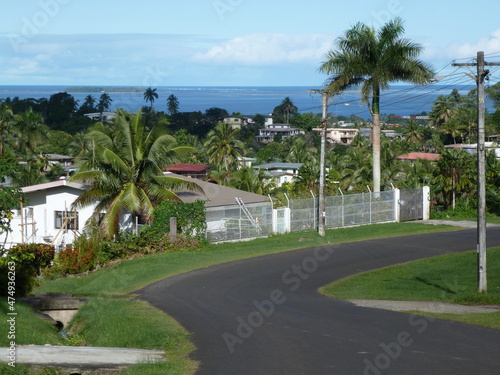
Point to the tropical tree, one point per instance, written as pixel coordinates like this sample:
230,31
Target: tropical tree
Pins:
150,95
248,179
455,177
6,121
30,131
223,147
104,103
373,60
282,112
172,105
124,170
88,106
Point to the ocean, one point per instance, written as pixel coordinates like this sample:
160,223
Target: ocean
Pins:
399,100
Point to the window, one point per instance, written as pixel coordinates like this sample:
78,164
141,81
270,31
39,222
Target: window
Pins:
66,219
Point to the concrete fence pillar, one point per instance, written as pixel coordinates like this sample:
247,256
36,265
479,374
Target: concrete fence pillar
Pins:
397,205
173,229
426,204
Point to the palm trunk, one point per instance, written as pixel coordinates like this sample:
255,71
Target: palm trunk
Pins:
376,139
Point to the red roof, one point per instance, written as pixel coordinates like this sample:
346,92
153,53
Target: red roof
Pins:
419,155
187,167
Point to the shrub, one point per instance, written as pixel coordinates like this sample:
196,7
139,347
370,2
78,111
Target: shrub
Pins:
77,258
29,261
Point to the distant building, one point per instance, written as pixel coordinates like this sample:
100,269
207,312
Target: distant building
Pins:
281,172
98,116
239,121
340,136
198,171
367,132
412,156
472,148
267,134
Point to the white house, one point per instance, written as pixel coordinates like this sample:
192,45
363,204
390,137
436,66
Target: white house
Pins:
339,135
281,172
267,134
47,216
239,121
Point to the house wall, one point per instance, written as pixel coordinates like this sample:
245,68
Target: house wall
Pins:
39,218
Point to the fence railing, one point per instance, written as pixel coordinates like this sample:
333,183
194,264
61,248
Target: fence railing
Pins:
232,223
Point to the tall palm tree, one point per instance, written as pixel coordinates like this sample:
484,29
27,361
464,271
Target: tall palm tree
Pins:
104,103
150,95
6,121
125,170
172,104
443,110
374,59
223,147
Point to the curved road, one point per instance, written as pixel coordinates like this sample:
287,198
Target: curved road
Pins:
265,316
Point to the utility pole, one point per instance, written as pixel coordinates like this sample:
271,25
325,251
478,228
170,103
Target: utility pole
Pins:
324,121
481,170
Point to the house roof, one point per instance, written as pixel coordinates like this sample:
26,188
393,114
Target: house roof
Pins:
52,185
217,195
184,167
279,165
214,195
419,155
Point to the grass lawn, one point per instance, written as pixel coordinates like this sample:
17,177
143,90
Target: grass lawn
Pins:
111,318
448,278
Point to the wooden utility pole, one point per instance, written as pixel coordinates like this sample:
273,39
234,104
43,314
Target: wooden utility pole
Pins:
481,170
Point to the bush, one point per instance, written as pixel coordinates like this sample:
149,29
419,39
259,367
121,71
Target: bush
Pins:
29,260
77,258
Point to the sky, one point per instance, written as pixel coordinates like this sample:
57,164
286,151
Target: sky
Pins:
220,42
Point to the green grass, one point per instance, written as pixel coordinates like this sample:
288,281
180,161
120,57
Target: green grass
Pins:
487,320
30,329
135,324
130,275
448,278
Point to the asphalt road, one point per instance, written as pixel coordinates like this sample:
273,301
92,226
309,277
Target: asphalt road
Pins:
265,316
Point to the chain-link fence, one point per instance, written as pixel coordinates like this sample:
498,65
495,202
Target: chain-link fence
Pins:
358,209
304,214
230,223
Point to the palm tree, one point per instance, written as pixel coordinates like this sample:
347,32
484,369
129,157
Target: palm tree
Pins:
6,121
172,104
30,131
443,110
125,171
104,103
454,176
284,110
150,95
248,179
374,59
222,146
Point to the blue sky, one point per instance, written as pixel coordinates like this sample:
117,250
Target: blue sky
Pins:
218,42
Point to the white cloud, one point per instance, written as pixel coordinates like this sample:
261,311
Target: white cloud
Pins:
488,44
268,49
